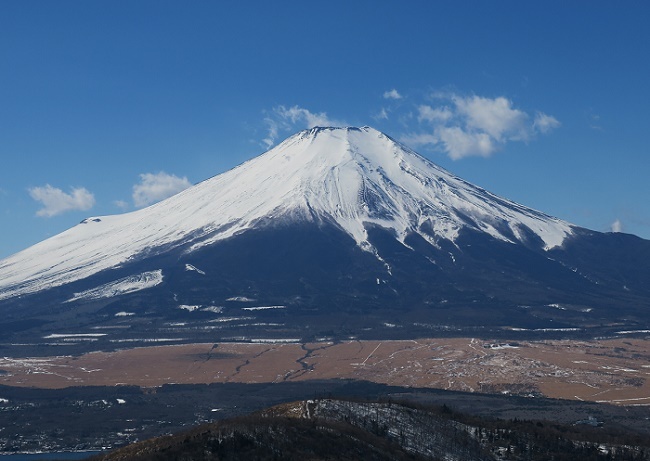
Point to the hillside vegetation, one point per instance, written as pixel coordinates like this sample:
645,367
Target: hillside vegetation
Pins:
330,429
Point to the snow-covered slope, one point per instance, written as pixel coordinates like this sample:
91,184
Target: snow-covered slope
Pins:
351,177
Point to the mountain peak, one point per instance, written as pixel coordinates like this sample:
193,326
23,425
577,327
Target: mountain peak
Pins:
360,176
355,178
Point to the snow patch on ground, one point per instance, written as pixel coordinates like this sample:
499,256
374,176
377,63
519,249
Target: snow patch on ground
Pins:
241,299
262,308
631,332
230,319
189,267
200,307
147,340
499,346
74,335
275,341
541,329
122,286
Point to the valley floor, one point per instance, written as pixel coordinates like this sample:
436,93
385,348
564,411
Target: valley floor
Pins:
612,371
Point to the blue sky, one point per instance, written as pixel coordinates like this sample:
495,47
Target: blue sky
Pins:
107,106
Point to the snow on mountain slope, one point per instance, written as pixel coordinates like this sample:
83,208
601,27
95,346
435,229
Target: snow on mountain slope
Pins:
122,286
350,177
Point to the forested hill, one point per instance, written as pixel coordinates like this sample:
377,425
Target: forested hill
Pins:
330,429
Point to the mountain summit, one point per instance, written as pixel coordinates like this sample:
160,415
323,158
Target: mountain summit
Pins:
331,220
353,178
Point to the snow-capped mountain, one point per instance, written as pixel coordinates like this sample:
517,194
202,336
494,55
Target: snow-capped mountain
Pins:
350,177
334,230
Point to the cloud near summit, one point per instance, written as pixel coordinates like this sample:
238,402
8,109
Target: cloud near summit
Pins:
464,126
56,202
458,125
154,187
289,119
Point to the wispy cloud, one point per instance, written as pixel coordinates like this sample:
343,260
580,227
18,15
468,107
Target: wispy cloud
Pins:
430,114
381,115
273,130
300,116
121,204
154,187
494,117
287,119
459,125
545,123
56,202
595,122
459,143
392,94
464,126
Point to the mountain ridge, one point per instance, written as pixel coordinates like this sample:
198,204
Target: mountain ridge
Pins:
352,233
352,177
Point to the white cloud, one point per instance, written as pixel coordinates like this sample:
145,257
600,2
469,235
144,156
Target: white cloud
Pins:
272,133
289,119
464,126
456,142
420,139
429,114
617,226
392,94
155,187
459,143
56,202
300,116
381,115
121,204
496,117
459,125
544,123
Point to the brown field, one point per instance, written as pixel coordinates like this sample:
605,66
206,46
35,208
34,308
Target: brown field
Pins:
613,371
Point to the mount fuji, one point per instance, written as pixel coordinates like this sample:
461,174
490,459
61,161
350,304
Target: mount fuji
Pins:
335,232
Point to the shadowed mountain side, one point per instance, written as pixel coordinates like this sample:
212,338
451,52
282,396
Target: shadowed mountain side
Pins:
334,233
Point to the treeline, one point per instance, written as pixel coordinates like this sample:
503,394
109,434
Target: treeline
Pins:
441,431
267,439
336,429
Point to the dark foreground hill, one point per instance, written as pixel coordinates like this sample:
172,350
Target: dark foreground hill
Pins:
330,429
